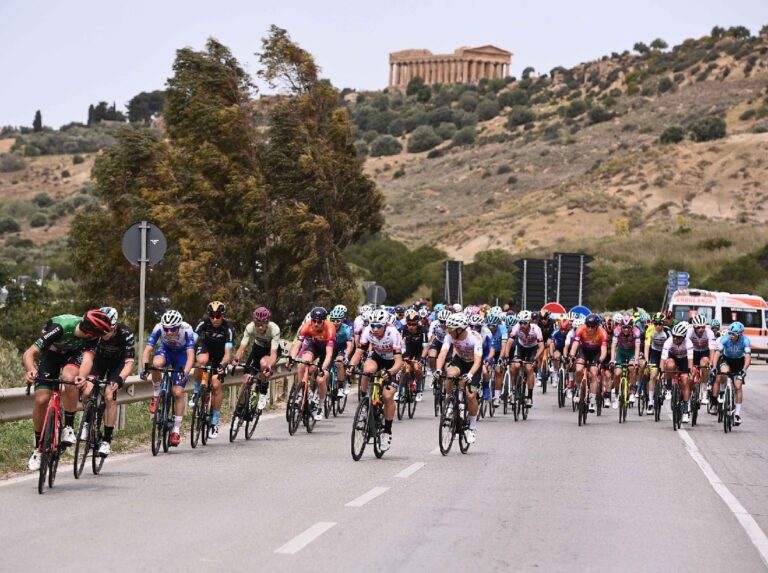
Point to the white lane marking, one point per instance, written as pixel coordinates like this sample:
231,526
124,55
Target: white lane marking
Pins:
368,496
410,470
305,538
756,535
435,452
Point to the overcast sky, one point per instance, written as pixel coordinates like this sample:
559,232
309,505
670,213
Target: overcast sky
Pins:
60,56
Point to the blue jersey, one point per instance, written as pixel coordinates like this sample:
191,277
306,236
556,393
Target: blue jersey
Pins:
343,335
182,339
558,338
731,349
487,337
499,337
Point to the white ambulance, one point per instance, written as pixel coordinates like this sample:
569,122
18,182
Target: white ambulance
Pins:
750,310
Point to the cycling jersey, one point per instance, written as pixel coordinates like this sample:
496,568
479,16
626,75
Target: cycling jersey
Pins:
119,347
703,343
656,339
499,337
358,325
626,340
343,335
414,342
733,349
467,348
58,336
527,339
591,339
326,336
182,339
438,331
560,338
387,346
677,351
547,329
216,338
269,338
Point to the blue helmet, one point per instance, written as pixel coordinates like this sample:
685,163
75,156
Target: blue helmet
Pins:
736,329
510,320
439,306
715,323
493,319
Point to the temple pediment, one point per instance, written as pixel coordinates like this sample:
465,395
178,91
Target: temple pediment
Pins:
488,50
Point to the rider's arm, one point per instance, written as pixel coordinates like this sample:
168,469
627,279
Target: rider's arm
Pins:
443,352
190,360
29,359
86,363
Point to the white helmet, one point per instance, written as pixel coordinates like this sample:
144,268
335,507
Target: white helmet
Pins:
340,308
617,317
698,320
171,318
366,315
111,313
524,316
379,316
391,318
457,307
496,310
443,315
680,329
364,308
476,319
423,313
457,320
578,322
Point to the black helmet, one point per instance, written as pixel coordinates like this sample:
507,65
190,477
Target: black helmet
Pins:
592,320
318,313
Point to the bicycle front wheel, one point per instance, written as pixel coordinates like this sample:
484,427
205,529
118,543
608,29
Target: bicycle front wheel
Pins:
728,408
294,407
46,451
97,461
157,431
359,437
411,407
83,445
447,426
378,428
195,425
203,421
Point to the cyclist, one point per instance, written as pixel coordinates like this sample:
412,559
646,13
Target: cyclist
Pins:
589,348
529,345
265,335
477,324
361,321
467,360
436,336
316,340
715,326
216,337
115,357
625,349
415,344
606,368
733,354
677,354
343,347
557,343
399,317
655,337
547,326
704,346
500,336
386,354
177,349
66,348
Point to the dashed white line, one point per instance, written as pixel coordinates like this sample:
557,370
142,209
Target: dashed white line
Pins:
368,496
305,538
410,470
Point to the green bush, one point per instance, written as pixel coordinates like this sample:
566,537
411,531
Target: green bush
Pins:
747,115
414,119
487,109
439,115
385,145
78,159
576,108
423,138
42,200
445,130
513,97
464,136
599,114
708,128
414,86
370,135
9,225
361,147
468,101
396,127
464,118
520,115
673,134
10,162
38,220
502,169
665,84
65,173
424,94
715,243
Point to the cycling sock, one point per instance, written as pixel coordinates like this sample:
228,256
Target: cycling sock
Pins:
108,434
738,410
177,424
496,394
461,395
650,396
69,418
388,426
214,418
530,392
473,422
37,438
155,389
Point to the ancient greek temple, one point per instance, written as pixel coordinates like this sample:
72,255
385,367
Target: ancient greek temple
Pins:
465,65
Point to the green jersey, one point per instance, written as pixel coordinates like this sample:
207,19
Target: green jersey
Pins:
59,336
269,338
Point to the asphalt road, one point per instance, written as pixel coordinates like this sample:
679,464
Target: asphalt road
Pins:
541,495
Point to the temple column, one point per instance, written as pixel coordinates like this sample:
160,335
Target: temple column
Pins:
389,83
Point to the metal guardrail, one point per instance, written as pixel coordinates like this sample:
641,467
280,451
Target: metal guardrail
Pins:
16,405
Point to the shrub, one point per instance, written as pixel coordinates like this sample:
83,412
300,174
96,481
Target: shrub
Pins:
414,86
708,128
361,147
446,130
396,127
435,153
576,108
747,115
78,159
370,135
715,243
385,145
11,162
520,115
42,200
665,84
673,134
38,220
423,138
464,119
424,94
513,97
439,115
414,119
468,101
487,109
65,173
464,136
502,169
9,225
511,180
599,114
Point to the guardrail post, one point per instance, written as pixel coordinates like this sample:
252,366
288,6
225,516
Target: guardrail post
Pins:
121,417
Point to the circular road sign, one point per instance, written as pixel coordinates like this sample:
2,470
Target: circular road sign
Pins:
156,244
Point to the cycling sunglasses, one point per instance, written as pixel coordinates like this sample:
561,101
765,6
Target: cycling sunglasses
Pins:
524,322
336,320
411,323
170,328
317,321
216,314
377,325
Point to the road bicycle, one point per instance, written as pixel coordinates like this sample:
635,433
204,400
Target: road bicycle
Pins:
624,390
247,409
407,390
335,397
454,419
368,423
437,394
642,390
162,419
583,394
201,410
520,391
676,402
727,408
90,432
301,406
562,383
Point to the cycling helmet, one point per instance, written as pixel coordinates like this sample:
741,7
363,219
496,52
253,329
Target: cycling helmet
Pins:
337,314
399,309
493,319
318,313
626,320
736,329
379,316
96,322
457,320
618,318
680,329
644,317
699,320
565,324
476,319
366,316
170,319
111,313
496,310
411,314
546,315
216,307
261,314
457,307
578,322
658,318
592,320
524,316
439,306
715,323
342,308
443,315
391,318
423,313
535,316
365,307
510,320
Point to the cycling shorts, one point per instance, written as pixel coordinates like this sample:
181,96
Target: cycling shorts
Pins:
177,359
108,370
51,364
381,363
623,355
734,364
654,357
525,353
465,367
317,350
589,356
257,353
681,363
698,355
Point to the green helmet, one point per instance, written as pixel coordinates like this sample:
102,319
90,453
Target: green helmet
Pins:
337,314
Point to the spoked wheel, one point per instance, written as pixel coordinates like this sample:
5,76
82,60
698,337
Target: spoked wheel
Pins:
157,431
294,407
523,402
237,417
83,446
411,407
97,432
506,387
205,401
544,379
491,407
378,428
447,426
402,405
642,401
335,397
53,465
561,388
675,404
309,418
46,452
728,409
360,429
574,394
515,404
464,425
623,399
577,393
341,403
250,424
195,427
167,421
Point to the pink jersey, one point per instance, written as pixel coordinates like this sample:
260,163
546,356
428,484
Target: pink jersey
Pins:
527,339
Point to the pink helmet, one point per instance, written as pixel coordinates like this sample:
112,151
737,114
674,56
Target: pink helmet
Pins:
627,320
261,314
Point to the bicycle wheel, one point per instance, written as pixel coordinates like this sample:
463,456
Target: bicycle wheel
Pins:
83,446
515,402
642,398
309,419
561,387
599,396
584,410
623,399
252,419
463,424
46,451
378,427
447,426
675,405
359,437
157,431
237,417
204,421
294,407
506,386
341,403
436,392
97,433
402,405
195,423
411,407
56,449
522,400
167,420
578,394
544,379
658,400
727,408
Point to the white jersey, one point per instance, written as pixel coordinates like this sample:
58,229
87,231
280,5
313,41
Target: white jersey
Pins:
682,350
703,343
358,325
569,337
437,330
387,346
466,349
527,339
